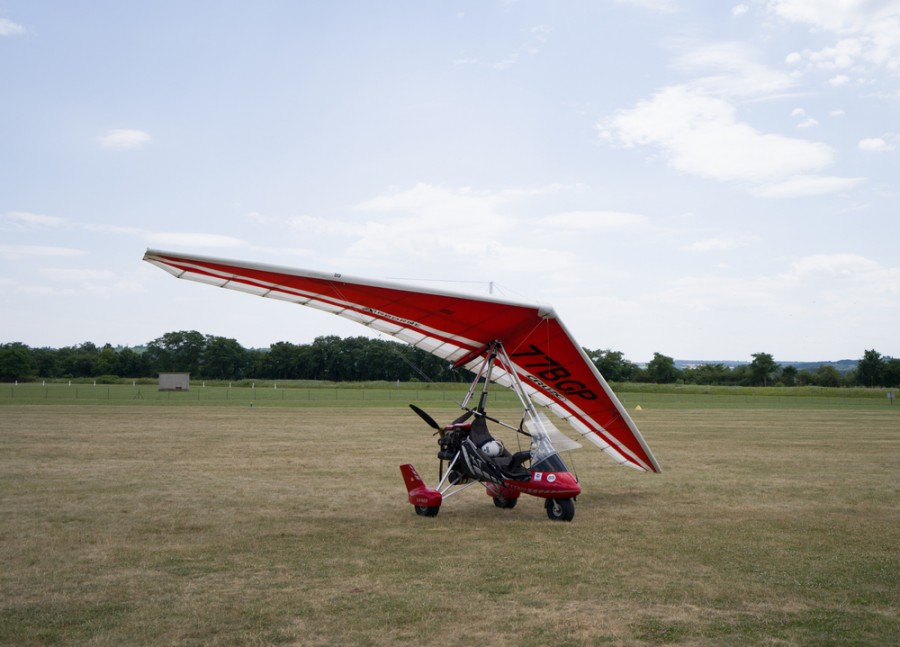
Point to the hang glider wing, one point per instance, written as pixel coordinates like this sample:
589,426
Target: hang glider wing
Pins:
547,360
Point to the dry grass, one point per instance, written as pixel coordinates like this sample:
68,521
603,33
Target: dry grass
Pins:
238,526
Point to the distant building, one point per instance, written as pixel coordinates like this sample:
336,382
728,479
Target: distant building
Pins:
174,381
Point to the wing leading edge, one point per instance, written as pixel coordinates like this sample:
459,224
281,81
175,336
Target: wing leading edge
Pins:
459,328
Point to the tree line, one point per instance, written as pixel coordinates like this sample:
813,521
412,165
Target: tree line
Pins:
872,370
363,359
220,358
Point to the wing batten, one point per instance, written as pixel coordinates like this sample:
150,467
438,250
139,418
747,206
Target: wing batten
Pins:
550,365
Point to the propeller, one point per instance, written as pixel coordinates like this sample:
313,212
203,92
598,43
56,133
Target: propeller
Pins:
440,430
463,417
424,416
434,425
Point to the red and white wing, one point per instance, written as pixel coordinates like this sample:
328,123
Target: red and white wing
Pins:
547,360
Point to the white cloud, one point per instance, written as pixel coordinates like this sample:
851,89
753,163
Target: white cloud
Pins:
729,68
709,293
438,209
191,239
656,6
806,185
428,218
499,65
701,135
124,139
830,265
720,244
840,79
875,145
541,32
427,222
818,297
43,291
593,221
259,218
841,56
845,281
315,225
9,28
739,10
23,220
71,275
505,63
537,39
20,251
868,33
806,120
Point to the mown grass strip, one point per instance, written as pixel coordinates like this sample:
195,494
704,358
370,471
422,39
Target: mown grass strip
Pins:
385,394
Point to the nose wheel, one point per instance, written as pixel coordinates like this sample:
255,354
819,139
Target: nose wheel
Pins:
560,509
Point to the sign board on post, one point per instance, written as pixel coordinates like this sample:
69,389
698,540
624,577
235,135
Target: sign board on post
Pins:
174,381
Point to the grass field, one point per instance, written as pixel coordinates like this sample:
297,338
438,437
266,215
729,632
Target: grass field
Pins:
313,393
287,523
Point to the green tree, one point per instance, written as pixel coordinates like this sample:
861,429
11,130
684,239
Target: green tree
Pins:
177,351
661,369
870,369
789,375
78,361
708,374
285,361
130,363
223,359
46,362
828,375
106,361
891,373
15,362
762,368
612,365
327,358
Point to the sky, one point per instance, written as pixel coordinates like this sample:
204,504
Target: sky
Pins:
706,180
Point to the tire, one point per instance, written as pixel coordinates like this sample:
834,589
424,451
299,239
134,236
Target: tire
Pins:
506,504
560,509
422,511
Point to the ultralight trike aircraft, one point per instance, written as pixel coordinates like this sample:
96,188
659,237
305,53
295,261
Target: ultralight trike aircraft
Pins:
520,346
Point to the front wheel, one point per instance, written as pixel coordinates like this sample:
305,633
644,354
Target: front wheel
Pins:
560,509
423,511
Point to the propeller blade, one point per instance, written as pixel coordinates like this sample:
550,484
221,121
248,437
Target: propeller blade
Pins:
424,416
463,417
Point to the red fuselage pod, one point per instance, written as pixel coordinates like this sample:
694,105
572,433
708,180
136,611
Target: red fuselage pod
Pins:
418,494
547,485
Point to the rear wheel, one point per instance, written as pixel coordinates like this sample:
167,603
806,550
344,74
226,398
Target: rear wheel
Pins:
506,504
422,511
560,509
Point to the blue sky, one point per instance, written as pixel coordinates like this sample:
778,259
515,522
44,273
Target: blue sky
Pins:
702,179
